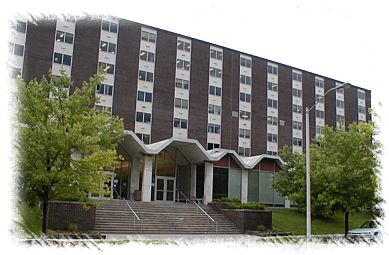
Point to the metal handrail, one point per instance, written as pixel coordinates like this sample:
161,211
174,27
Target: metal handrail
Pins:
128,204
117,193
186,198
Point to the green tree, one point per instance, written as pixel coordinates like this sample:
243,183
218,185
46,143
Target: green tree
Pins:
344,172
64,145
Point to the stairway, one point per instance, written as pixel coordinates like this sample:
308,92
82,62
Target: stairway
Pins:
115,217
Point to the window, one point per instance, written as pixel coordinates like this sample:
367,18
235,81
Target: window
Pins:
272,86
15,72
296,76
212,146
272,69
143,117
62,59
361,94
145,96
181,45
146,76
274,153
182,84
181,103
107,47
244,115
245,97
182,64
339,118
242,151
245,62
180,123
339,103
147,56
149,37
297,125
297,142
244,133
272,137
216,54
319,98
145,138
272,103
319,83
361,109
214,72
216,91
109,26
21,26
61,36
103,108
104,89
213,128
297,92
272,120
245,79
320,114
340,90
319,130
16,49
109,68
297,108
214,109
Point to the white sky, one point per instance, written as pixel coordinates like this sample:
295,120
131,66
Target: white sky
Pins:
345,40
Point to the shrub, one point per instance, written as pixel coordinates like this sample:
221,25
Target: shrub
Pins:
73,227
226,199
261,228
253,206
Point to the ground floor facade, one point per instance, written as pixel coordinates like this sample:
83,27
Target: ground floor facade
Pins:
176,169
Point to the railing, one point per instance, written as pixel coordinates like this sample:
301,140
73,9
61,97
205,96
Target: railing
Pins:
135,217
198,207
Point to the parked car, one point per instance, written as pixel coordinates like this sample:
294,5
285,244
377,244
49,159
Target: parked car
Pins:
369,230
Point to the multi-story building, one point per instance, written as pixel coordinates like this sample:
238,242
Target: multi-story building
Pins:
200,118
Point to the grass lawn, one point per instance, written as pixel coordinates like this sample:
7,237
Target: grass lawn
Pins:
294,221
30,220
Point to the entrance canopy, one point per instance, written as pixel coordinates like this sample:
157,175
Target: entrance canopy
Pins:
193,151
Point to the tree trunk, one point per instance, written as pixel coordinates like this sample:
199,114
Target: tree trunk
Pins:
346,223
45,207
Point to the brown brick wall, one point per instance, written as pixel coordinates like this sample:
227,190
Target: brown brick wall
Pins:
330,103
62,213
39,48
198,96
86,50
351,105
308,101
259,106
284,106
368,104
164,86
230,100
126,79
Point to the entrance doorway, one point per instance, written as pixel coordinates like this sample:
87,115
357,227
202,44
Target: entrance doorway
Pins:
165,188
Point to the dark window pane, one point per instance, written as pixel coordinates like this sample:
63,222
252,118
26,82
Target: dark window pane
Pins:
69,38
147,117
110,69
112,48
148,97
103,46
67,59
105,25
184,124
152,37
21,26
59,37
19,50
140,95
57,58
176,122
139,116
150,77
142,75
114,28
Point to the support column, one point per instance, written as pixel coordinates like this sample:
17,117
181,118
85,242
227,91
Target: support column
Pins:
193,174
134,178
208,182
244,186
146,181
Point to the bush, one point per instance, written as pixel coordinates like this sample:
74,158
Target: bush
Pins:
261,228
253,206
73,227
226,199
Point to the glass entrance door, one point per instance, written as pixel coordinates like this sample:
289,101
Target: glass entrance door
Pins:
165,189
